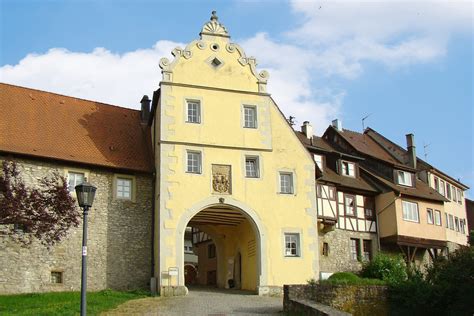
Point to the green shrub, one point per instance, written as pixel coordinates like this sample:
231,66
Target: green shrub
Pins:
447,288
349,278
389,268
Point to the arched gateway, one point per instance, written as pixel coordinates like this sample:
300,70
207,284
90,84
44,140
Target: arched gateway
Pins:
228,163
239,236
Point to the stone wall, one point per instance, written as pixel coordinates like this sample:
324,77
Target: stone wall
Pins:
119,240
354,299
339,256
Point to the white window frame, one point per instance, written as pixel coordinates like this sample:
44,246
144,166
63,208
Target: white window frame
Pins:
346,206
448,191
318,159
459,195
442,187
250,123
195,119
346,169
451,221
437,218
456,224
357,248
75,173
283,190
256,161
404,178
410,211
429,216
289,240
190,168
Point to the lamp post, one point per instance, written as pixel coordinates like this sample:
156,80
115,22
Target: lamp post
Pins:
85,193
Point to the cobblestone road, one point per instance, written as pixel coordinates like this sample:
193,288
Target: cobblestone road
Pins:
203,301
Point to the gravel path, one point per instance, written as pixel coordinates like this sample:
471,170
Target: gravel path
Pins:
203,301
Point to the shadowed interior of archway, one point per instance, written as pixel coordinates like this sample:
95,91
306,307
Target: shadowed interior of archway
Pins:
227,248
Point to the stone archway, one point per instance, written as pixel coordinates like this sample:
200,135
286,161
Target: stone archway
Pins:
207,212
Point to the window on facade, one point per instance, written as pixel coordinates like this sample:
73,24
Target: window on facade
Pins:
252,167
410,211
332,193
292,245
369,207
250,116
348,169
286,182
355,248
436,183
211,251
188,249
453,189
124,188
193,162
325,249
451,222
73,179
437,217
56,277
404,178
194,112
446,220
429,216
349,206
367,249
462,224
319,190
456,223
448,191
459,196
318,159
442,186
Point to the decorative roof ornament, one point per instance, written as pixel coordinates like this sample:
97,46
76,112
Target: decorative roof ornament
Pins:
214,27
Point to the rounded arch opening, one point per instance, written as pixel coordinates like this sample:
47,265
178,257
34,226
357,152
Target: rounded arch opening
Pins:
239,239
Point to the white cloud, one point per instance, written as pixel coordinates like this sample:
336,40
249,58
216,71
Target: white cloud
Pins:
100,75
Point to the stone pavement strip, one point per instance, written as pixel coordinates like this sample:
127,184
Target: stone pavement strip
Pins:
202,301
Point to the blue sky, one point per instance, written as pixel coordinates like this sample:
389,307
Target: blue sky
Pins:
408,64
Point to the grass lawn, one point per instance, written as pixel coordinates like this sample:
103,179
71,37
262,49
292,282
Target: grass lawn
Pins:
63,303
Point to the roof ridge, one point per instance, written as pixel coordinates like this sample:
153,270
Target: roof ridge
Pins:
68,96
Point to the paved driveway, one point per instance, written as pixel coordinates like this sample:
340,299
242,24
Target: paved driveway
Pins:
203,301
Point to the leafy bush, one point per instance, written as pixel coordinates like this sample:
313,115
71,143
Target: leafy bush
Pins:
446,289
349,278
389,268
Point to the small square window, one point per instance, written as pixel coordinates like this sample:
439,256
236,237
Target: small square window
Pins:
404,178
292,245
348,169
193,112
252,167
193,162
216,62
286,182
124,188
56,277
250,116
73,179
349,206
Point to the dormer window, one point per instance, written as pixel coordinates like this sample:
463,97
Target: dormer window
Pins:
318,159
348,168
404,178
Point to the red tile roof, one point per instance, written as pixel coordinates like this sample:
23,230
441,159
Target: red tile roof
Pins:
49,125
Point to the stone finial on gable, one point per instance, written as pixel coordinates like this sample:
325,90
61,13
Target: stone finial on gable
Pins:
214,28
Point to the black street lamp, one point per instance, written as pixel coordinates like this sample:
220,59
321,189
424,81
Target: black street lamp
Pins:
85,193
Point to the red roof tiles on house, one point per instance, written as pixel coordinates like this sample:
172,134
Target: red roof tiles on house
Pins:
49,125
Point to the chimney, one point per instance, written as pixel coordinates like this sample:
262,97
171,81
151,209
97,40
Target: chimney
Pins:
307,129
411,150
145,112
337,124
